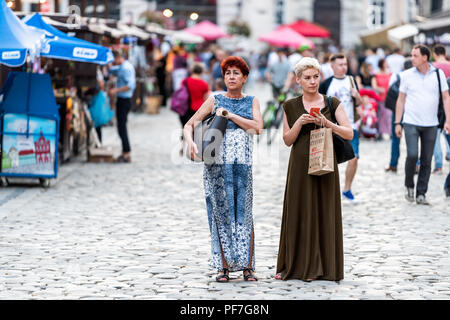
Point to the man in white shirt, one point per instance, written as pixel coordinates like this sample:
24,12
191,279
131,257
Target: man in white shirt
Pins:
343,87
418,102
395,61
372,58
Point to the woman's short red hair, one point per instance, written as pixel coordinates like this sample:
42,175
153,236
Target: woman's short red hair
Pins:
237,62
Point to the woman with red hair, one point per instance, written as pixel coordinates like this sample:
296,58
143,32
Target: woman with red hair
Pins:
228,181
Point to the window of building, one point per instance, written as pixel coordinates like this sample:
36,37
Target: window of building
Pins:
376,14
279,8
436,6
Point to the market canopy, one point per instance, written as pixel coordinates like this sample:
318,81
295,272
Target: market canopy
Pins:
308,29
29,93
207,30
402,32
61,46
16,39
286,37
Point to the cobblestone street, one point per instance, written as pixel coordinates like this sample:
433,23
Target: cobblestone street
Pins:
140,230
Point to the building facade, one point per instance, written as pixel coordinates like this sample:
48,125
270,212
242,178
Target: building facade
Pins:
344,18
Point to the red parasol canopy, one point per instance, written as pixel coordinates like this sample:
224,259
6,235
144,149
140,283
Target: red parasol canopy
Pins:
207,30
286,37
309,29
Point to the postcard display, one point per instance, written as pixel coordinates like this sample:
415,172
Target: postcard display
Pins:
29,127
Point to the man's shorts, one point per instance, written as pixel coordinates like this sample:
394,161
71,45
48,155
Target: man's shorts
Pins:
355,143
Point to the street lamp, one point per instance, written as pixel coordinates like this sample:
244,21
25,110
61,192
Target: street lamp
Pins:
194,16
10,4
168,13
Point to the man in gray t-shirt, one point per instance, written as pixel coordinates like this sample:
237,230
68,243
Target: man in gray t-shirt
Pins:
277,73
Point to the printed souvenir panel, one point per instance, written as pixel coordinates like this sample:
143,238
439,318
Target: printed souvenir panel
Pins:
32,154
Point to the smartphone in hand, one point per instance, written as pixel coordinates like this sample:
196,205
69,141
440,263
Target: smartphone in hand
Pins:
314,111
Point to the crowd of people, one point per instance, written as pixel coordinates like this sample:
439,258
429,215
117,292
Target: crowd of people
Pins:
378,94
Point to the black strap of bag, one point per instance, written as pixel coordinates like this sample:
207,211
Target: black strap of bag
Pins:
342,147
441,112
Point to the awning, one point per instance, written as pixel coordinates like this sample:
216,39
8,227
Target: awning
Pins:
17,40
156,28
286,37
99,26
402,32
378,37
434,24
206,29
181,36
61,46
186,37
132,31
308,29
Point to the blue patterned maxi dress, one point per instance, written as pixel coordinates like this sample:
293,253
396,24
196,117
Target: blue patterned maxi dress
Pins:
228,187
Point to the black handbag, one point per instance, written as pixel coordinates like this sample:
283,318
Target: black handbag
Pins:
342,147
208,136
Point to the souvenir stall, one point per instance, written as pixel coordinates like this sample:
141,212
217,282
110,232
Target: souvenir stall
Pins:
72,63
29,119
29,128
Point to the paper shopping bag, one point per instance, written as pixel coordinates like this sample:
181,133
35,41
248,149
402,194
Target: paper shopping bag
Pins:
321,153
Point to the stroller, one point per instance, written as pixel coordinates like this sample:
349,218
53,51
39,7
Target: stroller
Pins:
369,121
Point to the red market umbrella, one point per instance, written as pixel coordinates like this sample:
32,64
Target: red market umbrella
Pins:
286,37
207,30
308,29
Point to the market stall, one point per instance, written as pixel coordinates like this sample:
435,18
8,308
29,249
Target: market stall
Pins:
75,128
29,119
29,128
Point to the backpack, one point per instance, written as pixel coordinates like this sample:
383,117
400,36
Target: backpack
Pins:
180,100
392,94
441,112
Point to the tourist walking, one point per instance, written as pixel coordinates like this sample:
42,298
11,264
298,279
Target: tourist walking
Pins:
198,92
440,61
343,87
228,182
382,78
311,243
418,102
395,141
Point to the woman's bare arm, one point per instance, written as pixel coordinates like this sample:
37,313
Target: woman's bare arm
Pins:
255,125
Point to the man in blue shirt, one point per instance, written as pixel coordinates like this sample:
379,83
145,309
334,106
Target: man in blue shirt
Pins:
126,83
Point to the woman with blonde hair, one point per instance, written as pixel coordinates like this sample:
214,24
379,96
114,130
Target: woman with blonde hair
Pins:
311,245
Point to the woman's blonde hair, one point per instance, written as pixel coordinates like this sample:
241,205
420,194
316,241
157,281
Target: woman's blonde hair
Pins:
304,64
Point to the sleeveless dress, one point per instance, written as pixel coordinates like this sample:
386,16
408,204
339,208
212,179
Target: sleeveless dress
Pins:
311,244
228,185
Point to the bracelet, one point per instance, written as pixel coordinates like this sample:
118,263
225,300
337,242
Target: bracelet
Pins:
398,123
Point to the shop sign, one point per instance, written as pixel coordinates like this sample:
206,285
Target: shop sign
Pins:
85,53
10,55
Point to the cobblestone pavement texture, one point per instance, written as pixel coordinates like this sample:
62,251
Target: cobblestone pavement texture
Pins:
140,230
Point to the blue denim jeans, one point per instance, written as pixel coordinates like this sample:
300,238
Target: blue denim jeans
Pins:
437,152
447,181
395,146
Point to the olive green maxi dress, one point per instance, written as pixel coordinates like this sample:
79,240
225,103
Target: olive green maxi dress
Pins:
311,244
